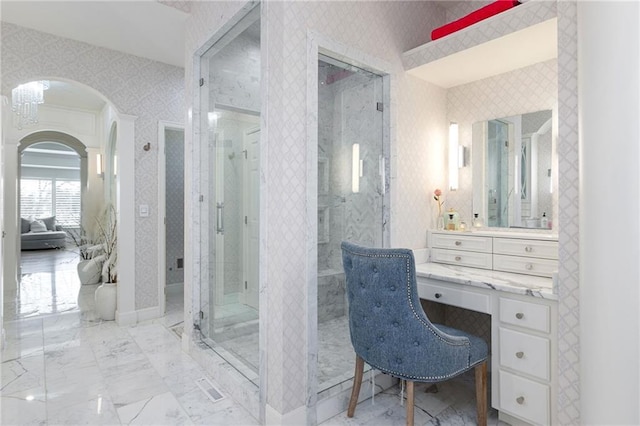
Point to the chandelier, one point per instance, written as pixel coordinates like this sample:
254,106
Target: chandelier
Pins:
25,100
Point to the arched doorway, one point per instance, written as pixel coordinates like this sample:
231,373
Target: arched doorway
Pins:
52,177
80,112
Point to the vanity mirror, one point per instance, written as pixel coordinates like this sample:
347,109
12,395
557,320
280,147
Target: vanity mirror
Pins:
513,170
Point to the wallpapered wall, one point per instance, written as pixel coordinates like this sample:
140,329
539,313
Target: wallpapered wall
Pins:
174,176
150,90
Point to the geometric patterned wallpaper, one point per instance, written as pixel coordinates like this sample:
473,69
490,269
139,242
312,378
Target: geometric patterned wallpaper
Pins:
149,90
569,208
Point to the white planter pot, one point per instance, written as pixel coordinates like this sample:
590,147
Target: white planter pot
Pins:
89,272
106,301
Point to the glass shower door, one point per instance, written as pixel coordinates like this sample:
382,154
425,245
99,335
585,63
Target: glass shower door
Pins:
351,200
230,120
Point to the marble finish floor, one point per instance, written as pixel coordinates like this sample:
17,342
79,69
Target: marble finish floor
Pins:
67,367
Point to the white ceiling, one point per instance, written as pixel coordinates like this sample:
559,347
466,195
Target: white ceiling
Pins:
147,29
143,28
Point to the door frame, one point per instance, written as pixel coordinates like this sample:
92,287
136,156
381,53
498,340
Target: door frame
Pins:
163,126
246,210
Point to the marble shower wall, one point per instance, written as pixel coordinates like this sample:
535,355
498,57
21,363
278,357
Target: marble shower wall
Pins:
347,115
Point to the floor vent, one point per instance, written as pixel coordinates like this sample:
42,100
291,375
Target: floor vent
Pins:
209,389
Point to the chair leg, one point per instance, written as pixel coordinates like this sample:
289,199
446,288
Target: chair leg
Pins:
357,382
410,399
481,393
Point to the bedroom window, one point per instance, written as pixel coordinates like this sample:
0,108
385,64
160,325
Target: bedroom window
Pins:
51,197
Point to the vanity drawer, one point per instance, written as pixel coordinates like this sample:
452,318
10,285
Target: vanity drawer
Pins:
455,297
525,353
462,258
460,241
525,265
525,314
528,248
524,398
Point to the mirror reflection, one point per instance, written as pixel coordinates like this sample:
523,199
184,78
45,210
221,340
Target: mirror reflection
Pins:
513,172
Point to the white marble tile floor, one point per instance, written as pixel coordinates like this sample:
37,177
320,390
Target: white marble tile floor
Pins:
72,368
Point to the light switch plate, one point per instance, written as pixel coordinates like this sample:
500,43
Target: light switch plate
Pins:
144,210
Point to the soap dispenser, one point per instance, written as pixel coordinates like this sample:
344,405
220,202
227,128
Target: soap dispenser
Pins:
477,222
452,219
544,222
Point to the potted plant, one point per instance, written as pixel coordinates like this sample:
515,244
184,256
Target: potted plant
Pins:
105,296
89,267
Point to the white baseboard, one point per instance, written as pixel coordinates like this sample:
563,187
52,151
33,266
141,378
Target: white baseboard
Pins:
148,313
126,318
293,418
134,317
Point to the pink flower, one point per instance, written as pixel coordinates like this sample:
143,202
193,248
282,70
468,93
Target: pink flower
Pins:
436,196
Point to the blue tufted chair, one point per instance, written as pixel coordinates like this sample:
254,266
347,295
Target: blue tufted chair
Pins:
390,331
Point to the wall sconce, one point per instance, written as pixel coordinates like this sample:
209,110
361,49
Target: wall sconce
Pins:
356,168
147,146
462,156
99,165
453,156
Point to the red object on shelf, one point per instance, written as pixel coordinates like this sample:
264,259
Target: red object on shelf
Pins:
475,16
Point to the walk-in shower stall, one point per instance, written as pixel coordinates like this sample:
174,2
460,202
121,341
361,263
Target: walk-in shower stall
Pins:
351,189
229,208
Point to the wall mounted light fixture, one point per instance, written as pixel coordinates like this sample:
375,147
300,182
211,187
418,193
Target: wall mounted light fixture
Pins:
99,165
453,156
147,146
356,168
462,156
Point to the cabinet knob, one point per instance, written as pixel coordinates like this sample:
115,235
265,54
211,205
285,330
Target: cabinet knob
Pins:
458,258
519,354
520,400
438,295
458,243
529,266
519,315
528,249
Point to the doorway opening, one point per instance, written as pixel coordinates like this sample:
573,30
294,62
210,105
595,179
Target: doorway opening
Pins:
171,224
52,179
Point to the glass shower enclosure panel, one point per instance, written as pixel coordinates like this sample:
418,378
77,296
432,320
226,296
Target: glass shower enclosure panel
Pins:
229,153
351,191
497,174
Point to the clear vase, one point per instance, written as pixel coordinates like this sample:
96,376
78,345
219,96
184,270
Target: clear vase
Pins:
440,223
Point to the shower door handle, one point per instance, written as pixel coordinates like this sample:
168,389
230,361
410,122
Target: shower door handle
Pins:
383,173
220,218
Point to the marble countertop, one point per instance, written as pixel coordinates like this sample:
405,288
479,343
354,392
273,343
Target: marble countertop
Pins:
527,285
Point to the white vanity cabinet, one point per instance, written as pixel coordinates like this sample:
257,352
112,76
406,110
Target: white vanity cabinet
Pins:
530,254
512,283
523,343
463,250
524,353
525,256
